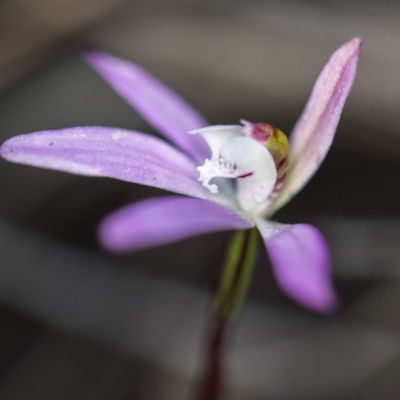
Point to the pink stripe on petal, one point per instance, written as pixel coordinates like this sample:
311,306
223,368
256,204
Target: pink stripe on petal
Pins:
314,131
159,105
159,221
301,263
108,152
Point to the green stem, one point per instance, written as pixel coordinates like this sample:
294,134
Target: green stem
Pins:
236,274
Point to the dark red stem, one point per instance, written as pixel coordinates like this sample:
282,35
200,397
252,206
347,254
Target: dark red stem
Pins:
210,387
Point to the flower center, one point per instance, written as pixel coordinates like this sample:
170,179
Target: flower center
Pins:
254,154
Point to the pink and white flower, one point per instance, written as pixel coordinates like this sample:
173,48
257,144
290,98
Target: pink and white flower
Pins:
229,174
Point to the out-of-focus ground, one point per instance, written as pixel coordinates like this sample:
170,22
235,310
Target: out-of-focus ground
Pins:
78,324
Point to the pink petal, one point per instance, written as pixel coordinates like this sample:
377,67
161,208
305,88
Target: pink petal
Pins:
159,105
314,131
159,221
301,263
108,152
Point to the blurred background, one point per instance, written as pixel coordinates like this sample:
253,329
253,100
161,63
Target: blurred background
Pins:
76,323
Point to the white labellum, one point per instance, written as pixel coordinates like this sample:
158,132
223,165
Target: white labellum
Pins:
236,156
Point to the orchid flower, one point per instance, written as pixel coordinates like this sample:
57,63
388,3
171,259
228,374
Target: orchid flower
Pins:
234,177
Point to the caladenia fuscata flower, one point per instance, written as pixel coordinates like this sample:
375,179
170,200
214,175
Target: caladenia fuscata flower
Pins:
234,177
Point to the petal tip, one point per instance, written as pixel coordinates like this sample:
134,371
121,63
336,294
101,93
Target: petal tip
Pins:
6,149
356,41
92,55
109,239
326,306
320,297
351,48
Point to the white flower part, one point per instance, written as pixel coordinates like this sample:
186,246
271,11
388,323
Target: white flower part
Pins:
216,136
236,156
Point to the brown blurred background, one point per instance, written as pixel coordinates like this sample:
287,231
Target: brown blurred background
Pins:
76,323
